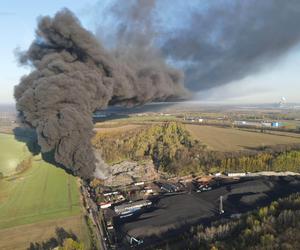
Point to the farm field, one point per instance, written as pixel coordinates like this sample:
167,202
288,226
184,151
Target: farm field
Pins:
43,192
230,139
20,237
33,203
12,152
274,132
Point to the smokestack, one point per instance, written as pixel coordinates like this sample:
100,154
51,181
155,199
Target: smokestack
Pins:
72,76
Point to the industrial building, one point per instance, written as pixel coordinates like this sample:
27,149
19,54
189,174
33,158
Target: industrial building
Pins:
235,174
132,207
276,124
168,187
259,124
193,119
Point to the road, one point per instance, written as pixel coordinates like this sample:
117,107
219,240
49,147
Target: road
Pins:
94,216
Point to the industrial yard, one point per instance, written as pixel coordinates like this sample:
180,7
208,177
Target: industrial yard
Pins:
141,205
171,207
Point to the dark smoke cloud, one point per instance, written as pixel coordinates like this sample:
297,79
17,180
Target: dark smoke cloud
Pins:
234,39
218,41
136,26
134,32
72,76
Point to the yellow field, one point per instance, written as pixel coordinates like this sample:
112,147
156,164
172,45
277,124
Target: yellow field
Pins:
230,139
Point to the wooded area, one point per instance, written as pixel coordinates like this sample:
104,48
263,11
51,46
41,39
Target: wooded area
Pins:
276,226
173,150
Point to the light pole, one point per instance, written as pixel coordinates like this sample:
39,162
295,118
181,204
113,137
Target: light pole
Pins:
221,210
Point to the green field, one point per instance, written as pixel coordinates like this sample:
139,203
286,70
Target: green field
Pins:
36,201
40,193
12,153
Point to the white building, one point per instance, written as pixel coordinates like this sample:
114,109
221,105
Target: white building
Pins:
235,174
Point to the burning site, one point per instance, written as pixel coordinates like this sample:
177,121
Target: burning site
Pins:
73,76
150,124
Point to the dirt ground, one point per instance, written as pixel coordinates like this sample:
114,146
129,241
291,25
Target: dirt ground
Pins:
20,237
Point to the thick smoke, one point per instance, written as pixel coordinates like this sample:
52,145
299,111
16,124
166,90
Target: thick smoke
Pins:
215,42
134,32
234,39
72,76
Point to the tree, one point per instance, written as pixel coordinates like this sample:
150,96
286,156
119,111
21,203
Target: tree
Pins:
70,244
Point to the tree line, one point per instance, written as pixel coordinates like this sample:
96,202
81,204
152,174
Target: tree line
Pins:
174,151
276,226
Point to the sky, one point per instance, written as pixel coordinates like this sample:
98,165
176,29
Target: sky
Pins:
281,79
18,22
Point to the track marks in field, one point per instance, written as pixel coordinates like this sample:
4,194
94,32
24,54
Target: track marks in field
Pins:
69,193
43,194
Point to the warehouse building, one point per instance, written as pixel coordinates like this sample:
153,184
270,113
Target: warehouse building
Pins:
132,207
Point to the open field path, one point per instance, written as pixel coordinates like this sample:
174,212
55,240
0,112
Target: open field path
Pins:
69,193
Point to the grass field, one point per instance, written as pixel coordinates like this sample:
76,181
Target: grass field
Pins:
42,192
230,139
33,203
12,153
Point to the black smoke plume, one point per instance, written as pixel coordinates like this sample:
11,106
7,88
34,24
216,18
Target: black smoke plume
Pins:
72,76
234,39
214,42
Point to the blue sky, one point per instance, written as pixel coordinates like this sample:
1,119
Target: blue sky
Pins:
18,22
